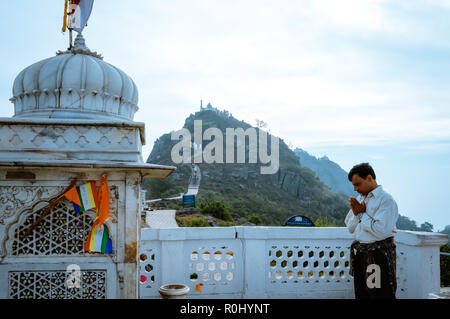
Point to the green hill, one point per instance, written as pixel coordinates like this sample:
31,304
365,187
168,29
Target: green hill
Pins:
248,194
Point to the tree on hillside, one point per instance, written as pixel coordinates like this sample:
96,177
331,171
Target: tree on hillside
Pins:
324,222
261,124
405,223
446,231
426,227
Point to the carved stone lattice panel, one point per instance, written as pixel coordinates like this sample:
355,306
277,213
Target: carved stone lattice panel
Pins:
52,285
61,232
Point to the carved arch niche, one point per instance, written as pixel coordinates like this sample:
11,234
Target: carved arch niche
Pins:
61,233
28,268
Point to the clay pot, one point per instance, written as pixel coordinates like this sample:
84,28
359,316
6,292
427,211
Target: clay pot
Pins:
174,291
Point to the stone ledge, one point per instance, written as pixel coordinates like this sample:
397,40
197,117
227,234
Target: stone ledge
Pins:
148,170
415,238
409,238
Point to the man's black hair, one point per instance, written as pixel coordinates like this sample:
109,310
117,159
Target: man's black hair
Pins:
362,170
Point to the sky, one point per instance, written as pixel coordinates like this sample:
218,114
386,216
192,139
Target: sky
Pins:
355,80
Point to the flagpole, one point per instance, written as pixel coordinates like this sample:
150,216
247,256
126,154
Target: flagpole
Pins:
83,9
70,29
70,39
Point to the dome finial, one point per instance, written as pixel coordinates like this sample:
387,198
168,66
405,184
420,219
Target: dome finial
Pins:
80,47
80,43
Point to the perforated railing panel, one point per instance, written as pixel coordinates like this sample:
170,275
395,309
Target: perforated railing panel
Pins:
216,265
291,265
149,269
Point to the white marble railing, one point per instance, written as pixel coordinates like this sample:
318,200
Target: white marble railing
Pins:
275,262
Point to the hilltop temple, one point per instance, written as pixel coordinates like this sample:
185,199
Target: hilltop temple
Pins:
209,107
73,122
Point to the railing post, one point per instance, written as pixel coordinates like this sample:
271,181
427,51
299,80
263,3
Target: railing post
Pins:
254,250
419,258
172,256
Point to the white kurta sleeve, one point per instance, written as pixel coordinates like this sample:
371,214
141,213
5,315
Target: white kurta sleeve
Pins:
351,221
384,220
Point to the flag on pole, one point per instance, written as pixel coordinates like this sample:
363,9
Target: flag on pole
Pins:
86,197
83,197
103,200
98,240
80,12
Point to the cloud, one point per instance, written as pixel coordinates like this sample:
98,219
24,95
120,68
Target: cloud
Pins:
377,157
430,147
319,72
365,14
354,79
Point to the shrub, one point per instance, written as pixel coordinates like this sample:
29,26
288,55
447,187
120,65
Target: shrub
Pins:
192,221
254,219
222,223
209,205
324,222
199,222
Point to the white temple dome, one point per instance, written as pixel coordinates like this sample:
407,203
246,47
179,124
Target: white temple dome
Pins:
75,84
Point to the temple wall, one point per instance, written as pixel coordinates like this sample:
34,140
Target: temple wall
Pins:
41,259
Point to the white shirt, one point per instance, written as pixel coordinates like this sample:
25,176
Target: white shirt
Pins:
379,219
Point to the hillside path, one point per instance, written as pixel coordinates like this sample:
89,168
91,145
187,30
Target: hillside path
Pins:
166,218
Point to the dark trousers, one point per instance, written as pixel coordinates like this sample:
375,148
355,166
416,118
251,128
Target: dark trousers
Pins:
362,290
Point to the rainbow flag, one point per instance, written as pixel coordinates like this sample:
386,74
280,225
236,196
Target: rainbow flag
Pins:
83,197
98,240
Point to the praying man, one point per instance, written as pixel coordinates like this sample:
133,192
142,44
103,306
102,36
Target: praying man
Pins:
372,219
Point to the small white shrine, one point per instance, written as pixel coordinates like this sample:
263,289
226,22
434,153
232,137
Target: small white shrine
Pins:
73,121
